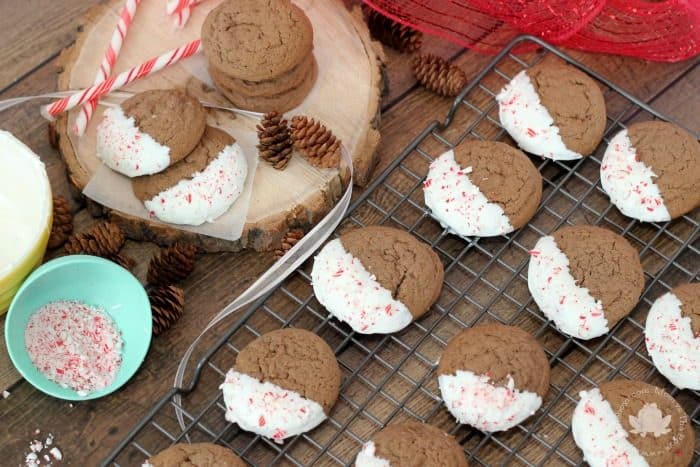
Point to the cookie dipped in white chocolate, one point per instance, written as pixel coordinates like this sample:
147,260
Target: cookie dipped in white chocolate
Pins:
529,122
572,308
669,337
267,409
630,182
123,147
200,187
473,400
207,195
599,434
377,279
458,204
352,294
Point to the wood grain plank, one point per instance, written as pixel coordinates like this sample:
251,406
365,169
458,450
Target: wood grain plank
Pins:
31,38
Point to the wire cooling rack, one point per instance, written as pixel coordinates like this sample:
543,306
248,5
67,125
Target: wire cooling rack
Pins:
391,378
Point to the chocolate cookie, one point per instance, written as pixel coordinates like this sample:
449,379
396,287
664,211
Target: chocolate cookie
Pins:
483,189
195,455
632,423
270,87
673,335
256,39
281,102
150,131
651,171
493,376
377,279
411,444
553,110
284,383
199,188
585,279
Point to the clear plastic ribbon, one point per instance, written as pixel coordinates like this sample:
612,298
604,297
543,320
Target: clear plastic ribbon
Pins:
118,95
279,271
7,103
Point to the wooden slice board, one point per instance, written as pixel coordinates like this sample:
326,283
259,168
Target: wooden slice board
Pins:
346,98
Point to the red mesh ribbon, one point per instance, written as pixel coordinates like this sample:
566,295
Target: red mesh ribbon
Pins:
655,30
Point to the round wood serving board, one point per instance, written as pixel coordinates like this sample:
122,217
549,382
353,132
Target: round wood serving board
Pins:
345,97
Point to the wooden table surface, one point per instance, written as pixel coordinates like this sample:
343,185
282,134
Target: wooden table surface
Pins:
34,32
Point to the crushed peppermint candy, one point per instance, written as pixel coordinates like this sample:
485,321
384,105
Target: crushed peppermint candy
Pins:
40,454
56,453
77,346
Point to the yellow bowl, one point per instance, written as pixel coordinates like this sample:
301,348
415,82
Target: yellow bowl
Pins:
21,180
10,283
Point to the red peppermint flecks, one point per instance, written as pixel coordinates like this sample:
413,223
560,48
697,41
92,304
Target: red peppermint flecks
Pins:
75,345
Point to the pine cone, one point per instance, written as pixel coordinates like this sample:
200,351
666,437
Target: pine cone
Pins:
125,261
167,304
172,264
62,222
315,142
390,33
438,75
289,240
275,142
104,239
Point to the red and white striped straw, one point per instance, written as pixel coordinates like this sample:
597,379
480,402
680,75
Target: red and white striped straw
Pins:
108,61
122,79
181,9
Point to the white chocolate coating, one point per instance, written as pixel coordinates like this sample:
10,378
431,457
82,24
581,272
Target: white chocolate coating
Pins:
529,122
572,308
207,195
671,344
367,457
267,409
599,434
458,204
25,201
126,149
630,182
472,400
352,294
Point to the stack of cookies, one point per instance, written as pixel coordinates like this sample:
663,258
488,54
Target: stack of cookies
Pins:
260,53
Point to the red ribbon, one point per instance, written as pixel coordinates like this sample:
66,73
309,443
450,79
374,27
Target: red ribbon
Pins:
665,31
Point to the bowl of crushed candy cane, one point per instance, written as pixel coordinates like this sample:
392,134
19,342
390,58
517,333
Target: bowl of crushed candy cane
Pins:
79,327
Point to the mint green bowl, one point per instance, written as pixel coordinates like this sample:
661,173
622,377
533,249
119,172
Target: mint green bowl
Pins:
94,281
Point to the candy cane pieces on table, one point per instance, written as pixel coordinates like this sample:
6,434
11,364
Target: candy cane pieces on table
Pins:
181,9
126,16
122,79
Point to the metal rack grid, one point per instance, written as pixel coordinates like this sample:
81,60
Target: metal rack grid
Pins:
390,378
